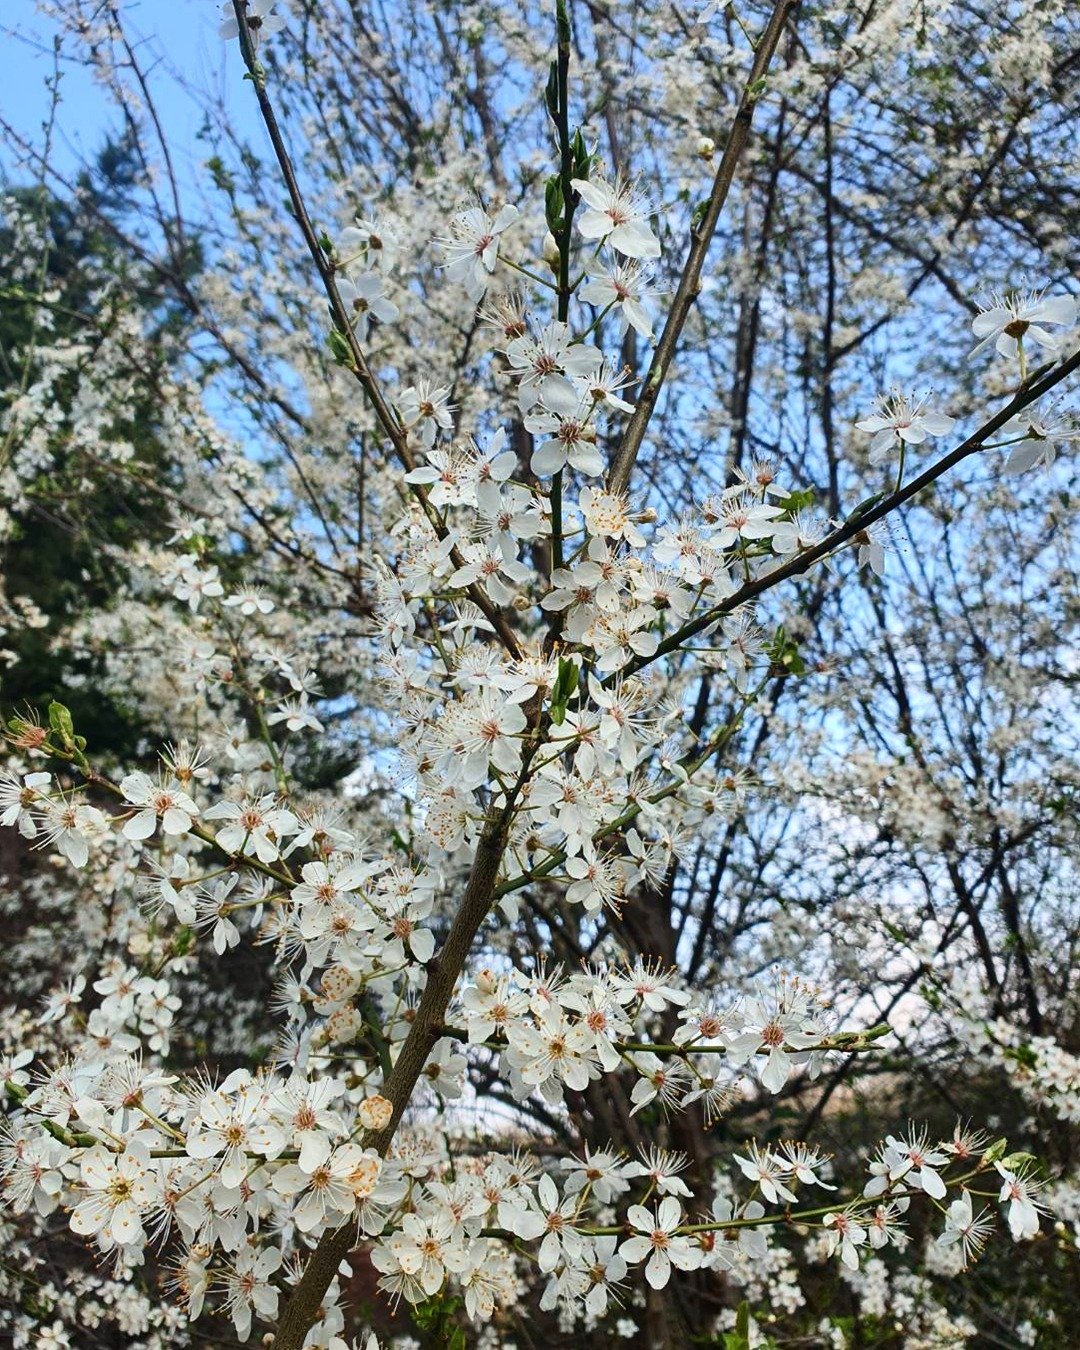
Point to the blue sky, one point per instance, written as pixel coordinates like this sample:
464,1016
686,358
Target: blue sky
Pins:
179,45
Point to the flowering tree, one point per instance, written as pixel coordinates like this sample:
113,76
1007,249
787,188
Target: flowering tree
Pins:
511,863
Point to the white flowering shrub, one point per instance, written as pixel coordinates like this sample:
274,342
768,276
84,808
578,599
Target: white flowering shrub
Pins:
554,838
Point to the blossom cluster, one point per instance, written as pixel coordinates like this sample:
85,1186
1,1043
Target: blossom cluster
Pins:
539,631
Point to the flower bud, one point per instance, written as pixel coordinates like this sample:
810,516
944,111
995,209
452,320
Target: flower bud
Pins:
374,1113
338,984
344,1025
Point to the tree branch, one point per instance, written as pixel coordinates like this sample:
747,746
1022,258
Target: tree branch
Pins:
701,234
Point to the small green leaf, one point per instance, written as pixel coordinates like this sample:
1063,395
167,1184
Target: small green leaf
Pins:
798,501
739,1339
551,93
784,654
565,688
1012,1161
867,505
995,1151
60,722
582,158
1022,1055
339,347
554,204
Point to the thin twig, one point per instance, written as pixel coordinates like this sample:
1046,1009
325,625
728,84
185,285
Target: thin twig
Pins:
701,233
